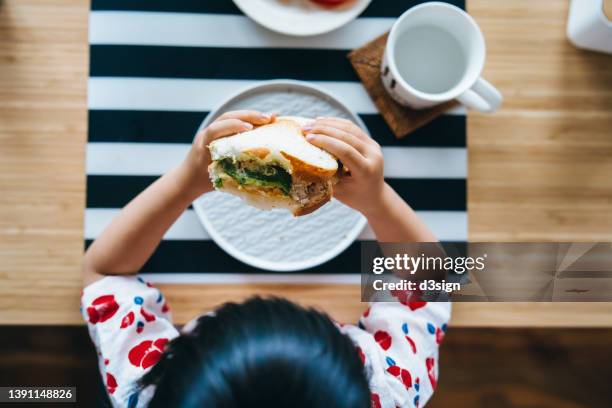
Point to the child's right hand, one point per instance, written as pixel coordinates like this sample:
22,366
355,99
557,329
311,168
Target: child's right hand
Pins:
362,189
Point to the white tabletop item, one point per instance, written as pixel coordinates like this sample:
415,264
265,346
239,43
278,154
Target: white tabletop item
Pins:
436,53
588,26
300,17
275,240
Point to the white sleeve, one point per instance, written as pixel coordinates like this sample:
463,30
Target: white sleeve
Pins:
399,343
129,323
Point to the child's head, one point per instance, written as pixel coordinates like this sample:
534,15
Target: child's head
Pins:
261,353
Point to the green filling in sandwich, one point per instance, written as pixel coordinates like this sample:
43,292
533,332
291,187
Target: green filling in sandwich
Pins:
256,175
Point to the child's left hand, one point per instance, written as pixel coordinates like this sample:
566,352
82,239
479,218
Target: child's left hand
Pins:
230,123
364,189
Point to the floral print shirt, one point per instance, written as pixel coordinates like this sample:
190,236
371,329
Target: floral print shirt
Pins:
129,323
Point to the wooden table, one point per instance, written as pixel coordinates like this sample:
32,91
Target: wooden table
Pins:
540,169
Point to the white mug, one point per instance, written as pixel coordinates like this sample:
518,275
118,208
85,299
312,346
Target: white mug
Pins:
436,53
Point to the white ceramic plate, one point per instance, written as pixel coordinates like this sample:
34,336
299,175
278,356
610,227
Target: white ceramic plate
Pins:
275,240
301,17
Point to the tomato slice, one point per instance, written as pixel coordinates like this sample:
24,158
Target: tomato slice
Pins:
329,3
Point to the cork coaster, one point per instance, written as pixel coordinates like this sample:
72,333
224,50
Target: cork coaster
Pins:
402,120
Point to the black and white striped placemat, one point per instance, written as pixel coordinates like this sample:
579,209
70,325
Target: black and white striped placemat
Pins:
157,67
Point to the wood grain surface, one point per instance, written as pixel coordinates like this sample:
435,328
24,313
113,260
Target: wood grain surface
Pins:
483,368
539,168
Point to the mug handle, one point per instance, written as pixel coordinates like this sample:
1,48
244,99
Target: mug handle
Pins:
482,97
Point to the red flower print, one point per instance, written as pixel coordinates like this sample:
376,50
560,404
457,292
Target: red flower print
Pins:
111,383
102,309
412,344
165,308
127,320
383,339
439,335
375,398
406,378
106,361
415,305
394,370
147,353
430,363
149,317
367,312
406,331
405,297
402,374
361,355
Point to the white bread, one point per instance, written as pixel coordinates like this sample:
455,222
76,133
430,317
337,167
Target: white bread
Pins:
282,143
273,143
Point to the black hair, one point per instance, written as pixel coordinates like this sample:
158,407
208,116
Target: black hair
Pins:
260,353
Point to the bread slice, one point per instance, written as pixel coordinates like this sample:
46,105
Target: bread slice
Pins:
274,166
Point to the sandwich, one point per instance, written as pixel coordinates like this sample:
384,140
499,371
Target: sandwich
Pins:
274,166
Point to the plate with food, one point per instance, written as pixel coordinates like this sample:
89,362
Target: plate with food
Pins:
302,17
274,207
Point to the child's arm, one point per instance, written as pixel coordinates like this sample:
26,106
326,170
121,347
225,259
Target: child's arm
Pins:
125,246
128,319
398,341
365,189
